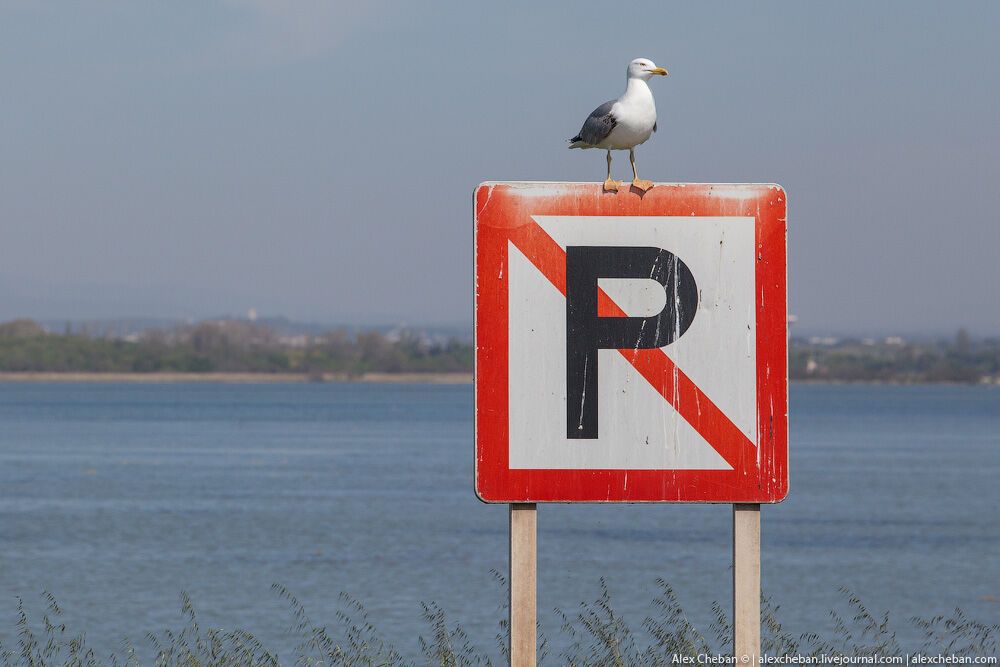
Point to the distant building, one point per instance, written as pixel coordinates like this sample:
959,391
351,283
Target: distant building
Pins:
824,340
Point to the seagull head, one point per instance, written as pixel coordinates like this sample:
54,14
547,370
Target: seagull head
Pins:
645,69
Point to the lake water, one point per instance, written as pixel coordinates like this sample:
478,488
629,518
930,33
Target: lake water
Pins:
116,498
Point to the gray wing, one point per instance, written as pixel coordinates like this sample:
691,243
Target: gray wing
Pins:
598,125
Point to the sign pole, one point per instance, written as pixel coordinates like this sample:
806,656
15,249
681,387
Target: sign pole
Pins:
746,583
523,533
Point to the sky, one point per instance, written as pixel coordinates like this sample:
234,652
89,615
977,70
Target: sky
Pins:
317,160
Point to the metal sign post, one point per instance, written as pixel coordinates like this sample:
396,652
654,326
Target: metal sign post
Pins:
746,583
631,347
523,605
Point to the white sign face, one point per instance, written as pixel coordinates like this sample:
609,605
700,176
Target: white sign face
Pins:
638,429
631,347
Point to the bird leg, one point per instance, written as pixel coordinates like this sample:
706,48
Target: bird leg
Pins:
609,185
636,181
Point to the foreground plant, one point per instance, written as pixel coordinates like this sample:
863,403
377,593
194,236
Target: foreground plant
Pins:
595,636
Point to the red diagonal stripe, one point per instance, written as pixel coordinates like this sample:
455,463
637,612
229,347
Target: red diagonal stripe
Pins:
653,364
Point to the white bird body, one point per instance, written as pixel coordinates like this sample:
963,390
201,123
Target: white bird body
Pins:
624,123
635,112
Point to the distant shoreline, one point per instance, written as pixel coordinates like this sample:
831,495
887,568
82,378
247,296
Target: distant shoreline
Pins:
239,378
372,378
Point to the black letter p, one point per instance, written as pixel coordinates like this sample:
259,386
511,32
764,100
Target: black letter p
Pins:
586,333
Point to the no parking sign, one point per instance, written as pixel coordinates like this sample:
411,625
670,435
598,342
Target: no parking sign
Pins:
631,348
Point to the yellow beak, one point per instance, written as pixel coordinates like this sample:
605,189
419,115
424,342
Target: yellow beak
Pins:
659,70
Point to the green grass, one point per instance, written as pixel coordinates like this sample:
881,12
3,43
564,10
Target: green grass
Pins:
594,635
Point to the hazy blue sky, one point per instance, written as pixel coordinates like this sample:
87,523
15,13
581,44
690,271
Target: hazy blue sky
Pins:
317,159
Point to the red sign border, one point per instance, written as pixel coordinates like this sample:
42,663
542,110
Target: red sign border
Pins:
503,213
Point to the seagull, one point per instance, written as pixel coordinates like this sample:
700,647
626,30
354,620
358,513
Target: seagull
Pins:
624,123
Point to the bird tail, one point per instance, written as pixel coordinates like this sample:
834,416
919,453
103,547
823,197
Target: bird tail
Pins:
578,142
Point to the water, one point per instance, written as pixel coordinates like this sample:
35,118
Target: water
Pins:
116,498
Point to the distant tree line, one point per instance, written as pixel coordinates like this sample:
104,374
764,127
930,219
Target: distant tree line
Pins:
960,360
228,346
247,347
